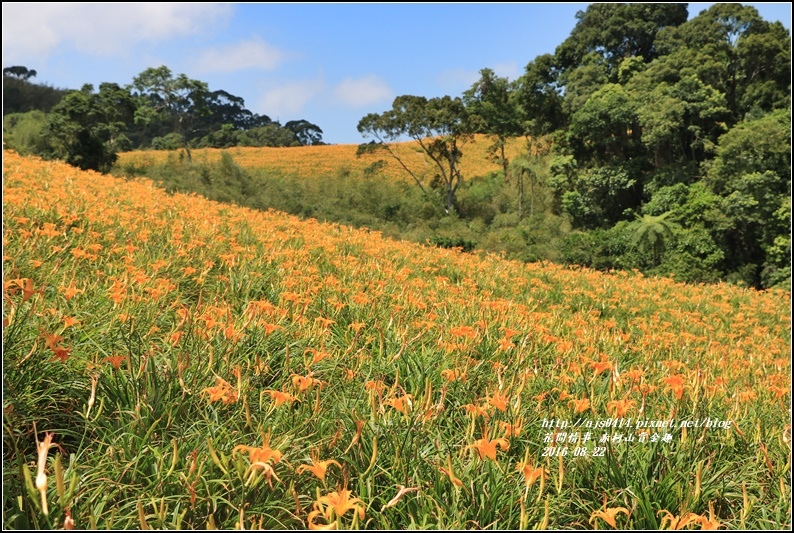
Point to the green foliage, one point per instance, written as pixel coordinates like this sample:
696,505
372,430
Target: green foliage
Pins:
538,97
86,128
25,132
441,126
486,221
179,100
653,233
594,196
307,133
749,59
753,146
493,100
602,130
21,95
617,31
450,242
269,135
693,257
664,115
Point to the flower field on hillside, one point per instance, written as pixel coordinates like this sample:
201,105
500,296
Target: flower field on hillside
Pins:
171,362
328,160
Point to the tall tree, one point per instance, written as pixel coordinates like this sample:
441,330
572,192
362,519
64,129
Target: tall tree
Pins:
86,129
441,126
179,100
616,31
308,134
739,54
493,100
19,72
539,97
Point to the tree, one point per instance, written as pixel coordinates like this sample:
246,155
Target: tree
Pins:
308,134
616,31
539,98
25,133
269,135
179,100
86,129
652,232
441,126
19,72
492,99
522,168
737,53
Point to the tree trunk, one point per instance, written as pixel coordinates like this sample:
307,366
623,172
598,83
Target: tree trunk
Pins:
520,195
504,159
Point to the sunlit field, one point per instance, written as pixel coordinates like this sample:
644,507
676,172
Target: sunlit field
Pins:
172,362
329,160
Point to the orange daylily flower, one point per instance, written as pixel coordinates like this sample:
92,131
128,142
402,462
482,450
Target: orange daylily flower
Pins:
70,292
512,430
505,344
115,360
530,473
222,391
260,459
580,406
61,353
600,366
499,400
621,407
322,527
325,322
303,383
608,515
281,397
475,410
452,375
711,523
677,522
562,394
52,340
318,468
463,331
675,384
487,448
338,503
402,403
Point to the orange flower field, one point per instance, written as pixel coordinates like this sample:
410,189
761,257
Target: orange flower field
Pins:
172,362
328,160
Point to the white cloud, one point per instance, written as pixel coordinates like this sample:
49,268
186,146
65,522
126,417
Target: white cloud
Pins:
252,54
33,31
453,79
508,70
289,99
363,91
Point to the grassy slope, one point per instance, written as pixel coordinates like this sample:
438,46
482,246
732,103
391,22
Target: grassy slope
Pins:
331,159
201,329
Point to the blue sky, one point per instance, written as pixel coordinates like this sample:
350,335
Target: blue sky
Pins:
328,63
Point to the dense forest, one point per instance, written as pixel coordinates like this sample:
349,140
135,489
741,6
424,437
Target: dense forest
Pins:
653,142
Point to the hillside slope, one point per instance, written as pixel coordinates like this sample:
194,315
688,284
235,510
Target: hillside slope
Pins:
305,161
197,364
